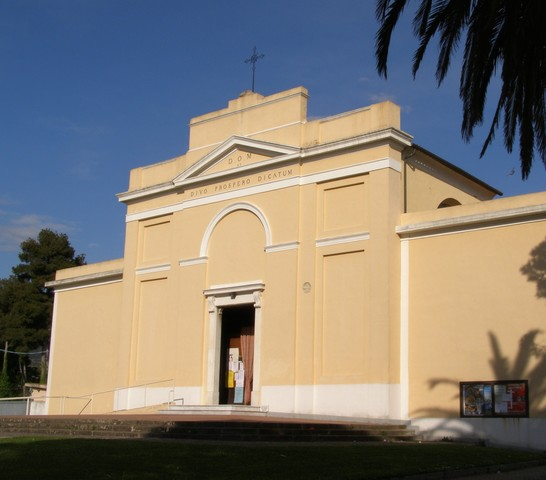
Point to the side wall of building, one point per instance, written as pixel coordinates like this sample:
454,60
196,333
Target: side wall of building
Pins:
476,308
84,349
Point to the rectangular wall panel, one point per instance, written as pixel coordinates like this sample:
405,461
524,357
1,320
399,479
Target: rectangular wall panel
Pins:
156,242
344,321
156,348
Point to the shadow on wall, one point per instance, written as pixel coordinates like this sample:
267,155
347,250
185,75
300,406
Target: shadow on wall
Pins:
530,351
535,268
528,363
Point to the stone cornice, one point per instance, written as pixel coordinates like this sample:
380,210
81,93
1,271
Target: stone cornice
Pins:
86,280
285,154
465,222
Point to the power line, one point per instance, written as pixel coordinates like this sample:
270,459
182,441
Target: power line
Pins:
24,353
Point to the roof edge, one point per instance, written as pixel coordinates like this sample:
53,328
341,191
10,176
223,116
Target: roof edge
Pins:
458,170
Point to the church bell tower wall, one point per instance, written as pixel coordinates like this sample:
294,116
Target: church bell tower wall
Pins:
276,118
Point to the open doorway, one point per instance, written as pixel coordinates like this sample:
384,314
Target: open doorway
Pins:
236,355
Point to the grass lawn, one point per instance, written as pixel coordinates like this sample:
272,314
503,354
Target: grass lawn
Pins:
53,458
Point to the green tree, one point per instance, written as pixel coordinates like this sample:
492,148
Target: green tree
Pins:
5,385
26,304
507,36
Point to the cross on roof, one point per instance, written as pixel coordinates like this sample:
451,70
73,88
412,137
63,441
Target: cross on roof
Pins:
253,59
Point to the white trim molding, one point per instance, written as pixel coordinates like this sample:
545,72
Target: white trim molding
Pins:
229,289
333,174
470,222
282,247
281,154
193,261
404,327
342,239
83,281
224,149
153,269
226,211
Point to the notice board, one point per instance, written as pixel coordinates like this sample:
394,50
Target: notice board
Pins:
503,398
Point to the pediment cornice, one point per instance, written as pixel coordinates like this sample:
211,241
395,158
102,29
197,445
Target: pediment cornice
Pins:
236,156
233,144
215,166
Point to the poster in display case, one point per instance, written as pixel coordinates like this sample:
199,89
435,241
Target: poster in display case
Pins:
508,398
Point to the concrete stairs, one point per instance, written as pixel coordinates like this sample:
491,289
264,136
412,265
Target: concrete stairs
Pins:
203,428
213,410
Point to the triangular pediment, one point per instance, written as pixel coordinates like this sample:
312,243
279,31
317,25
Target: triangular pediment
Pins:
236,153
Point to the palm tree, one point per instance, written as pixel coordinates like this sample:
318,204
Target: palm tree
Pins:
507,36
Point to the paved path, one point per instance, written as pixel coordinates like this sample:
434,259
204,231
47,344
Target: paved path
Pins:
529,473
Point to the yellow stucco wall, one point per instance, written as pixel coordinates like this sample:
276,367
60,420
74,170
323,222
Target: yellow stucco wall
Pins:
474,314
236,249
85,340
304,221
429,183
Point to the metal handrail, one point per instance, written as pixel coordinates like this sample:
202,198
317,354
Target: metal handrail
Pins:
117,389
30,399
89,397
143,384
27,399
146,385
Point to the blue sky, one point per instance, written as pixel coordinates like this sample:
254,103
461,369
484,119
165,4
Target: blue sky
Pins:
92,88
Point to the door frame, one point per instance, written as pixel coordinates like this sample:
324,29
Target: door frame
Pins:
219,297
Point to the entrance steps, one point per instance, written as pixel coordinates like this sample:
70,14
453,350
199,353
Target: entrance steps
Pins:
245,410
205,428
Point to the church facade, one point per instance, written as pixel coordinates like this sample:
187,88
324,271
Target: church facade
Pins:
328,267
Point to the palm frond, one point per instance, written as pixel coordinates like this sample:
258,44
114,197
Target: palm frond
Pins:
428,31
503,37
483,49
454,18
387,12
420,20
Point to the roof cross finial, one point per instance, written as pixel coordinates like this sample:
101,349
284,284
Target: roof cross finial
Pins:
253,59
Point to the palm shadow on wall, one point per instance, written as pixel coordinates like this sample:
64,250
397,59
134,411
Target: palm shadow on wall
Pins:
530,360
535,268
530,351
519,369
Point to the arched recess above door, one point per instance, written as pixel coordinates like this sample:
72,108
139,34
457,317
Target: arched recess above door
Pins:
226,211
235,245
